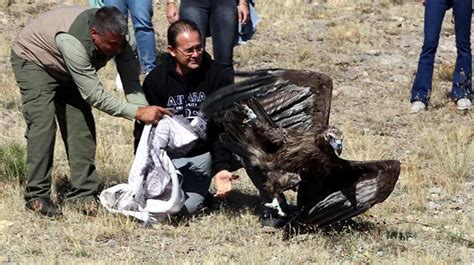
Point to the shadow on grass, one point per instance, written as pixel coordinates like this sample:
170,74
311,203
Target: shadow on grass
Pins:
341,228
236,203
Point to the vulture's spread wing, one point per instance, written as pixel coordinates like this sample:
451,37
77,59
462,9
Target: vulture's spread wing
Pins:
253,113
291,98
349,189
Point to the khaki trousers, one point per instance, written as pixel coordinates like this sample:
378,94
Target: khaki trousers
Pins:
45,102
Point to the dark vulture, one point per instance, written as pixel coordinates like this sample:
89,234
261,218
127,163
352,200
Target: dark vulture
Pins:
279,121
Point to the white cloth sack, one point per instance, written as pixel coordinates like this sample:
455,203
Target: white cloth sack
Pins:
153,188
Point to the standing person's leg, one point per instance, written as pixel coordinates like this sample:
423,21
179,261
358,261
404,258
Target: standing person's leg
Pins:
78,132
223,26
196,179
142,13
434,14
198,12
120,4
38,90
462,76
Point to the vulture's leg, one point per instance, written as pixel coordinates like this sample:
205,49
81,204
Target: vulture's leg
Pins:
277,183
275,204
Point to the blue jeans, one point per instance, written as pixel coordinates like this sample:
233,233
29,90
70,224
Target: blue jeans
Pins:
141,12
217,18
434,14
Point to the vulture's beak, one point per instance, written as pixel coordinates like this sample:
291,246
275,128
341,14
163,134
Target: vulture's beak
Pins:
336,145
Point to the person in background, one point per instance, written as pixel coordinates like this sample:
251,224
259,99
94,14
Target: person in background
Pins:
141,13
461,92
55,59
217,18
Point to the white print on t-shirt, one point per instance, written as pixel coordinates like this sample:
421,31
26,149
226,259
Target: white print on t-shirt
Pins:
186,105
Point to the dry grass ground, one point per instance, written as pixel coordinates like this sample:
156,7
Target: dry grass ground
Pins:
370,48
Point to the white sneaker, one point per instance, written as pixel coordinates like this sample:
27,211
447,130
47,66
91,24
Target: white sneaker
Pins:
463,104
118,83
417,106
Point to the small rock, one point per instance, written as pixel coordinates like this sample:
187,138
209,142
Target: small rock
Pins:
318,26
397,19
112,242
361,57
435,190
398,79
433,205
374,52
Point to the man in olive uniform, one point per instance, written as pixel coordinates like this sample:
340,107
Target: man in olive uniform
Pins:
55,59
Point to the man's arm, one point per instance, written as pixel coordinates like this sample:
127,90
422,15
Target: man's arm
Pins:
88,84
87,81
221,156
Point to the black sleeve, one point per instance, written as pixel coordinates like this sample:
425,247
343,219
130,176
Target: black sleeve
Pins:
154,86
137,134
221,156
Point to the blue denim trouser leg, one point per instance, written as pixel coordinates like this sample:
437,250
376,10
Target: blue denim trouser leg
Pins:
462,76
141,13
196,179
434,14
219,19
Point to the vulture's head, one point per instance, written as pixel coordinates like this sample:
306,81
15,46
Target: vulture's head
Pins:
333,138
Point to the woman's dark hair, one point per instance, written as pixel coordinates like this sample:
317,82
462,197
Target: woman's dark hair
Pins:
110,19
180,26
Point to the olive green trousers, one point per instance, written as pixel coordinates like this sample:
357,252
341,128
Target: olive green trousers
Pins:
46,102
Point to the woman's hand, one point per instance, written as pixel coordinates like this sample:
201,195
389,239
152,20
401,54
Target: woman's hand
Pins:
243,12
171,11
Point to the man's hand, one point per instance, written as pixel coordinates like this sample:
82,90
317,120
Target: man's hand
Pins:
171,12
151,114
223,181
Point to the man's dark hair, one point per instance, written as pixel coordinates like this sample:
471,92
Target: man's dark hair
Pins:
110,19
180,26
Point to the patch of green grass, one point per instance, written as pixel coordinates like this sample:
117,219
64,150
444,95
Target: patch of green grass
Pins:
13,164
